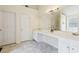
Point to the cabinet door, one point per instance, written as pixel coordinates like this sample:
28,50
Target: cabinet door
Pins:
74,47
64,46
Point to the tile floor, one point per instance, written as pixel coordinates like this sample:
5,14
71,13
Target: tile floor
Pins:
29,47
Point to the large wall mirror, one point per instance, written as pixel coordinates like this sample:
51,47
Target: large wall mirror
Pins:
69,23
73,23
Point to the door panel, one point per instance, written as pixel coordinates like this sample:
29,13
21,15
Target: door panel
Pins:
1,28
9,27
25,27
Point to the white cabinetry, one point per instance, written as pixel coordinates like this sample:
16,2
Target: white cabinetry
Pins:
74,47
47,39
37,36
51,40
68,46
64,46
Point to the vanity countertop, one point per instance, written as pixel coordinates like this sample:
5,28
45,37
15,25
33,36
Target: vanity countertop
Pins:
60,34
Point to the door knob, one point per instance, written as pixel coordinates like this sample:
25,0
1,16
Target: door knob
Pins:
0,29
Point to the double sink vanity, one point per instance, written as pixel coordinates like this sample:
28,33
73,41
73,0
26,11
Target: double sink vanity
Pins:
65,42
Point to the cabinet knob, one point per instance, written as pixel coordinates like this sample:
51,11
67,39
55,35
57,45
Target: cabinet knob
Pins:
67,47
72,48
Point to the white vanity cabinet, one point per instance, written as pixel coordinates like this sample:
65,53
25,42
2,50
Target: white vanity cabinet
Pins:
43,37
68,46
74,47
63,46
40,37
53,41
64,43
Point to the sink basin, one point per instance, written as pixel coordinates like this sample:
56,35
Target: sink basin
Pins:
75,34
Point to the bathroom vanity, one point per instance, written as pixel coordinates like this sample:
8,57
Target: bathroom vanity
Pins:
66,42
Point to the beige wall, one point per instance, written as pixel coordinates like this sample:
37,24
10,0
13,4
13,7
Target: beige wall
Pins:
44,21
54,16
20,9
47,8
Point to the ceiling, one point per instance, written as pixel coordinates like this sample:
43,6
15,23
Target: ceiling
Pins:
43,7
34,6
47,8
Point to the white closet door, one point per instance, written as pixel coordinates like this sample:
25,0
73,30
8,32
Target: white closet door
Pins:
25,27
9,27
1,28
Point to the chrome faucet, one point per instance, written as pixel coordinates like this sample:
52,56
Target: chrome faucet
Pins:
52,28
